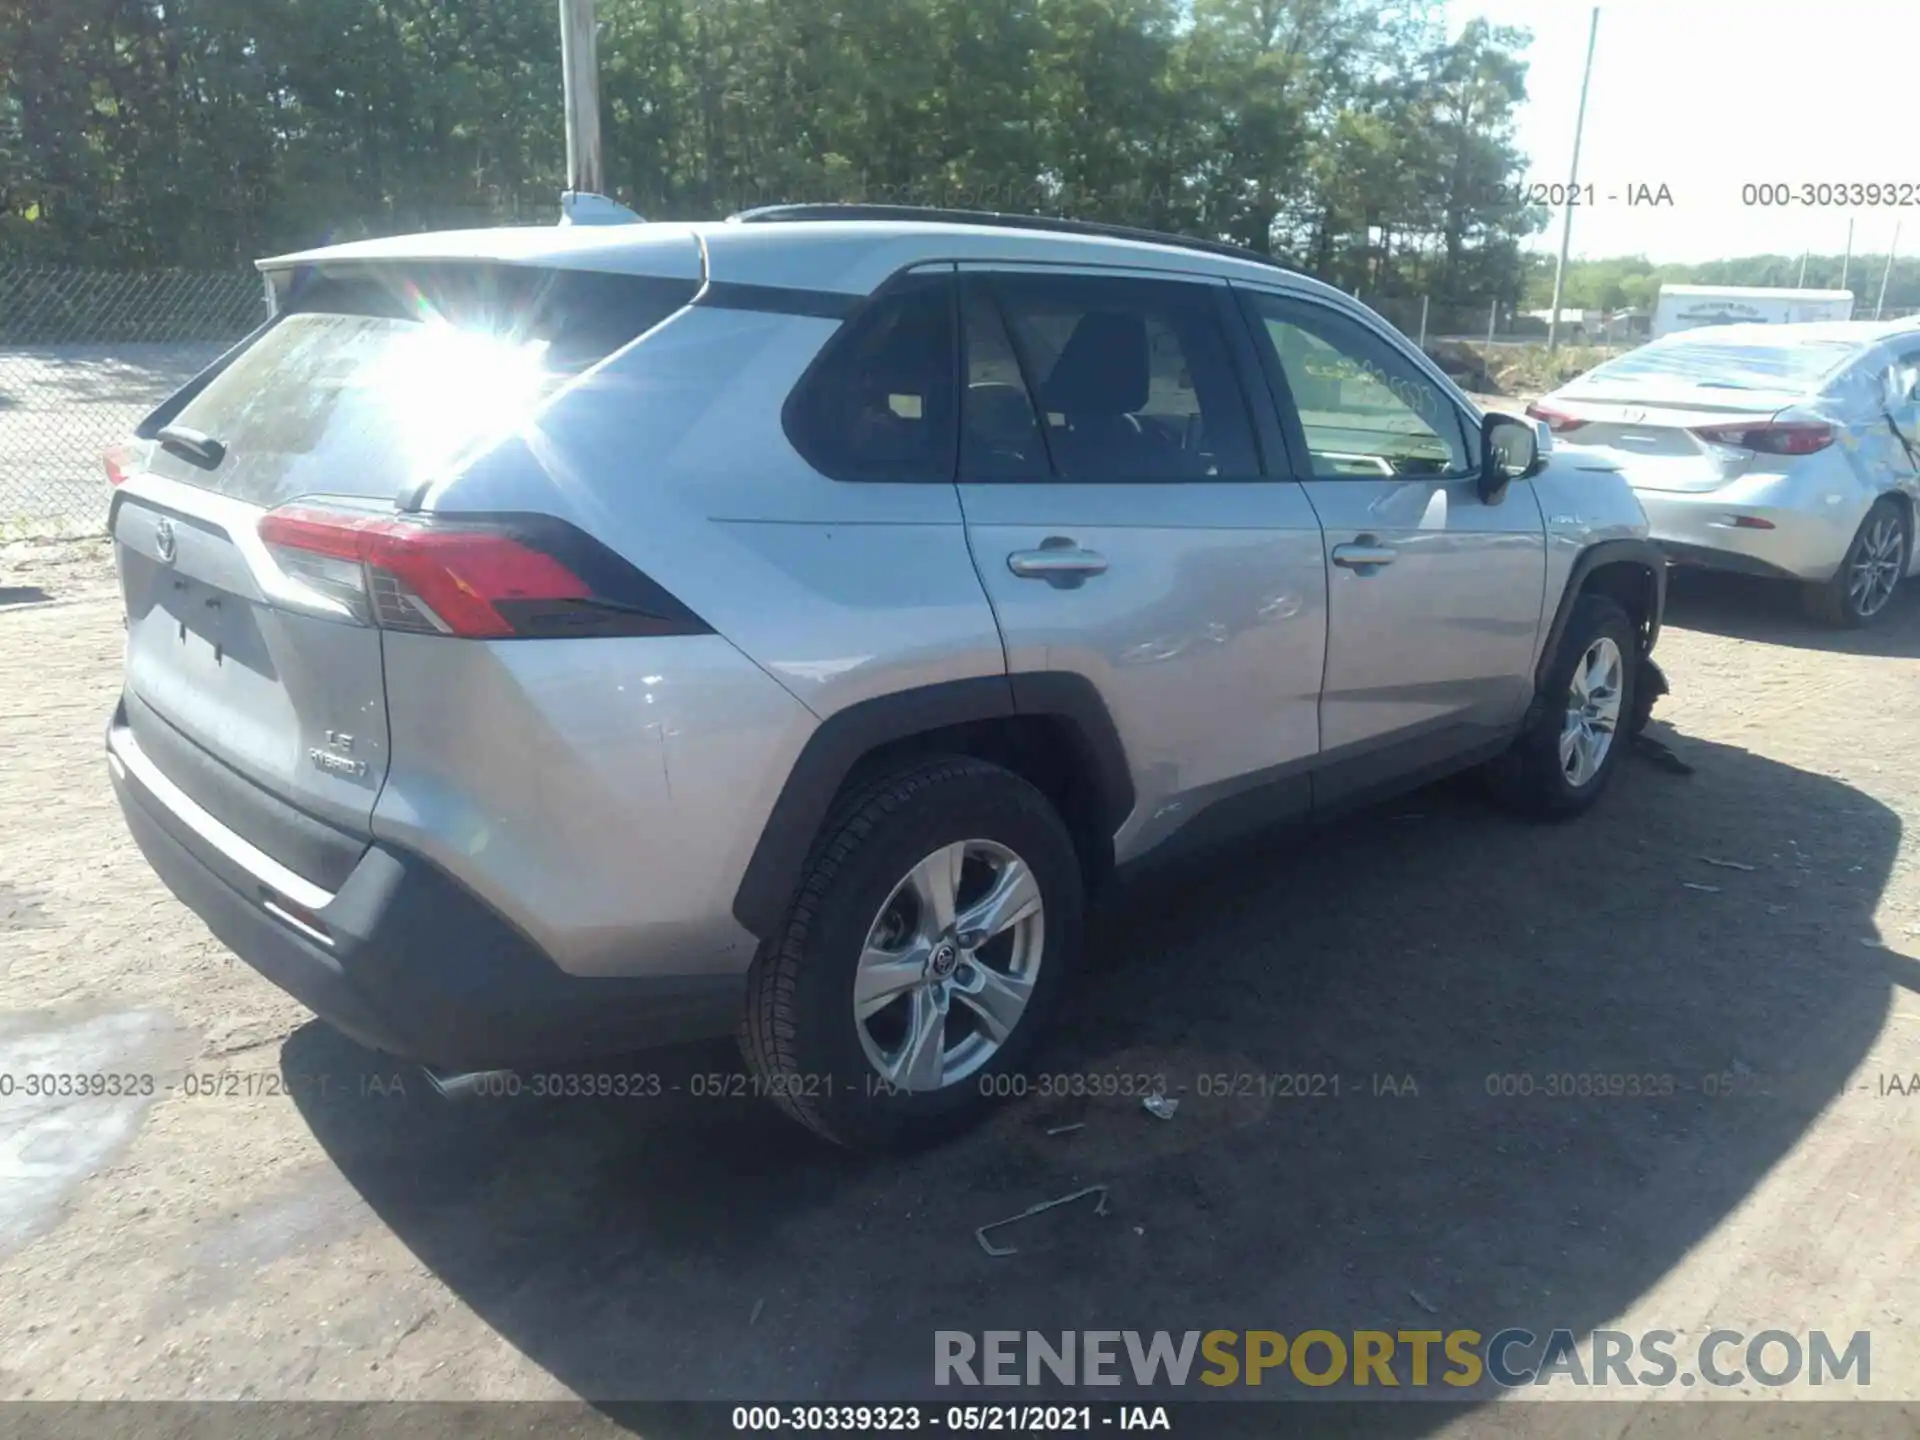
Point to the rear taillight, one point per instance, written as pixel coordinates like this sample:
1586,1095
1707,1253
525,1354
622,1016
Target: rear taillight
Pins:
1786,437
1558,421
119,460
479,577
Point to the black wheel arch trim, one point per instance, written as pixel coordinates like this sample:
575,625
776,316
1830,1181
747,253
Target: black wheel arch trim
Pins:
848,736
1643,553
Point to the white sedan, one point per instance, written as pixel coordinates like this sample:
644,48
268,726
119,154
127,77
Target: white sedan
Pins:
1790,451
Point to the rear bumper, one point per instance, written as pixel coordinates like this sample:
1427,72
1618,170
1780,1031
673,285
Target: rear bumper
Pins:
1699,529
414,964
1732,562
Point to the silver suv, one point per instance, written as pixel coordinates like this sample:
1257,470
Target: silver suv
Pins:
545,643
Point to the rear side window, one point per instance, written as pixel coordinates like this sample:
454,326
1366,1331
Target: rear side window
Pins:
1127,379
375,380
878,403
999,435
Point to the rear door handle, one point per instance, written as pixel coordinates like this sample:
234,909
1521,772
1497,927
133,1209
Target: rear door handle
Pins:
1059,561
1363,555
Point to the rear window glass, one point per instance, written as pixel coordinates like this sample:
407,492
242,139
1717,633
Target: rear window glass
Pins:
879,402
1719,365
375,382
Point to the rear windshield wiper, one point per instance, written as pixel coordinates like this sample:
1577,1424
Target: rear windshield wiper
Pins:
194,445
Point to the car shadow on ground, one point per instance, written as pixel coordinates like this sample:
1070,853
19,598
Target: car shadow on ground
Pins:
1745,607
1432,963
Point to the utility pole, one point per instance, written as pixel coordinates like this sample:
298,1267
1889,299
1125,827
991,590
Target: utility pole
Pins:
1801,283
1847,264
1887,274
1573,179
580,79
584,201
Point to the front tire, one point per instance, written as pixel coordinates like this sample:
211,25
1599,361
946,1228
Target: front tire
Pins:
1862,589
921,958
1582,720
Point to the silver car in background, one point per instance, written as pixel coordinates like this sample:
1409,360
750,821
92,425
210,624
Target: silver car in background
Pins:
1790,451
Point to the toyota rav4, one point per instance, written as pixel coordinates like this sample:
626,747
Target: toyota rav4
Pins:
547,643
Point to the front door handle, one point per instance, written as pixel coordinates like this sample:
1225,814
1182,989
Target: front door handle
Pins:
1363,554
1059,561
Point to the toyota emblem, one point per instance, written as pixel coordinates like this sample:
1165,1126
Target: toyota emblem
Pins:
163,540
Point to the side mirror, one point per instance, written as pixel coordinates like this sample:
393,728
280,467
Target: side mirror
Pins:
1510,450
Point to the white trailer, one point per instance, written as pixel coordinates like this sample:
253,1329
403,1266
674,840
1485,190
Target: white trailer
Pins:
1688,307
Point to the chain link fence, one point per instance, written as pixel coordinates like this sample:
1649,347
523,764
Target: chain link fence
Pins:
84,355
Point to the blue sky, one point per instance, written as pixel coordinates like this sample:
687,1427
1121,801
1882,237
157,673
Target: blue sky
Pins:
1705,96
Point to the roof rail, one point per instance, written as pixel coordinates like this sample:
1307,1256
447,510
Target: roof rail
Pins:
998,219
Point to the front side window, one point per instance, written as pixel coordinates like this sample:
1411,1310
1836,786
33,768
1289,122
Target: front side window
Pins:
1094,378
879,402
1366,410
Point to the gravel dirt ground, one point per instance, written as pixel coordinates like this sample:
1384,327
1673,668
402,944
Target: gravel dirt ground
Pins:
315,1225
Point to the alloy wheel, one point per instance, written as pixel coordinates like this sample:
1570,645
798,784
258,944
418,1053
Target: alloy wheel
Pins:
1878,561
1593,712
949,965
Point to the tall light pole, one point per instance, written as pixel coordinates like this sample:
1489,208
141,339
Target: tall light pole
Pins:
580,79
1887,274
1573,179
584,201
1846,265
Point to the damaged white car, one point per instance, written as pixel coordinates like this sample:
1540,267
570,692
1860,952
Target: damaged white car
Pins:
1790,451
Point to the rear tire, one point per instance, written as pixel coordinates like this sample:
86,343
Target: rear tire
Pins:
1582,719
866,932
1863,588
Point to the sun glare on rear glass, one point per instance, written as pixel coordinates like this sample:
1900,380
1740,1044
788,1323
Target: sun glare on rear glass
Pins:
452,389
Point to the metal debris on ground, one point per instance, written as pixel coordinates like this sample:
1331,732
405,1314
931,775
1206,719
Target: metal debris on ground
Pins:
1100,1208
1159,1106
1708,889
1068,1129
1651,750
1728,864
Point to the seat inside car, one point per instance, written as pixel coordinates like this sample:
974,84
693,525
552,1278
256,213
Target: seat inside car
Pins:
1098,385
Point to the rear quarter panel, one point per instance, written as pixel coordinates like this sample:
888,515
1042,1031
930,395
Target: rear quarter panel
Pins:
673,453
603,794
607,794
